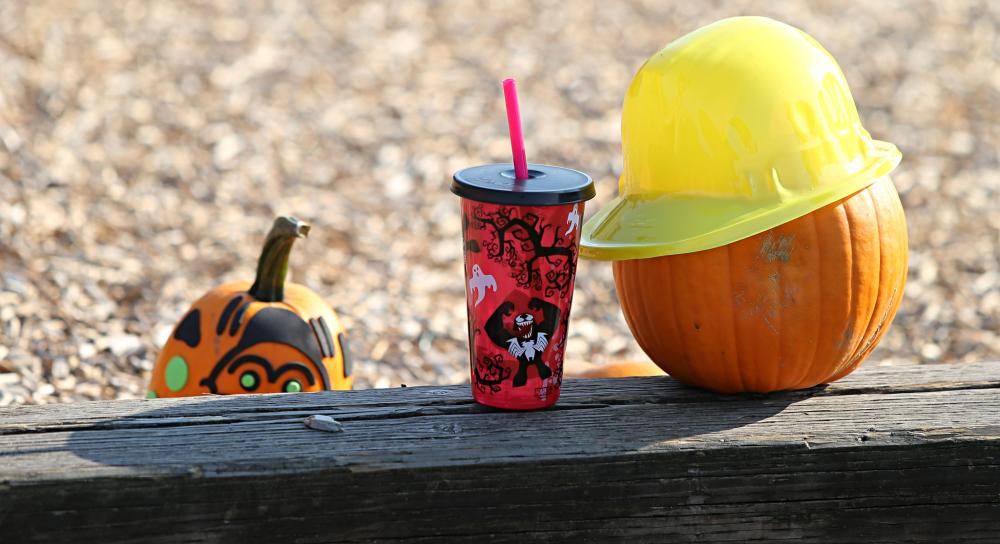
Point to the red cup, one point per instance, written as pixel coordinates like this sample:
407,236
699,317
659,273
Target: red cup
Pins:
521,240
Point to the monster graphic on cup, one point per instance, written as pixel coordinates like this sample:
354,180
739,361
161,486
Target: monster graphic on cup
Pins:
527,339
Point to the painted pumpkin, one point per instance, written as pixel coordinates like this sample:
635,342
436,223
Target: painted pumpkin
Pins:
792,307
264,337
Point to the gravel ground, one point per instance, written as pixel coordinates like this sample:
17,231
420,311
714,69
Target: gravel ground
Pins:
146,146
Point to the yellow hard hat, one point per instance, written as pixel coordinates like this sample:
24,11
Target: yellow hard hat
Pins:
731,130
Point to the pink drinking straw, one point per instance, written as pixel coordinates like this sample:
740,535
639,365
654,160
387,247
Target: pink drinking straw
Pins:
514,126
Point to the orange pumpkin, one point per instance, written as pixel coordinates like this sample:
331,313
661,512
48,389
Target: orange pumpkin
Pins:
618,369
265,337
795,306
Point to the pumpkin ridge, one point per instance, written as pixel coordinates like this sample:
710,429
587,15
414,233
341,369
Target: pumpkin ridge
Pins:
700,304
736,332
832,341
827,347
632,276
876,283
779,310
695,368
861,343
637,277
808,368
637,314
852,303
628,309
869,345
807,293
889,305
894,299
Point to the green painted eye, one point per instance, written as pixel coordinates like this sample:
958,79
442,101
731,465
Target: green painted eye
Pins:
293,386
176,373
250,380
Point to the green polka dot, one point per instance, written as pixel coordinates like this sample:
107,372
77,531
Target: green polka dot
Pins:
176,373
293,387
151,395
248,380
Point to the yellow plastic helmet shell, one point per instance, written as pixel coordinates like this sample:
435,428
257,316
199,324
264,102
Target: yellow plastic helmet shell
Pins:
731,130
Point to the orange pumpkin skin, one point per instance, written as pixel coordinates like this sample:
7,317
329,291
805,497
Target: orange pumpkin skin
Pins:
790,308
618,369
231,341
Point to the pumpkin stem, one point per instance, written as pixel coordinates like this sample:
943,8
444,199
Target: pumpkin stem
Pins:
269,286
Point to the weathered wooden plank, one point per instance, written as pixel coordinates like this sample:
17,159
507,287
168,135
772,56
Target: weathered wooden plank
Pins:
911,455
258,447
415,401
850,499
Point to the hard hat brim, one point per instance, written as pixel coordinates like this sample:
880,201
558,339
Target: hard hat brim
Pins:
640,227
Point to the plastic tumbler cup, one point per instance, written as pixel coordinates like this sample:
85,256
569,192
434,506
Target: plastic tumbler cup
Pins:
521,241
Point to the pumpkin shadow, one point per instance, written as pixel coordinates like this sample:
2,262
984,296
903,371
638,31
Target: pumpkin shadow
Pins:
685,412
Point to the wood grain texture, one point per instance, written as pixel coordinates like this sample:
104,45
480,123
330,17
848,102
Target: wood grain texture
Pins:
888,454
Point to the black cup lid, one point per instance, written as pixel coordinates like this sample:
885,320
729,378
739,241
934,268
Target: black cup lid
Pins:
545,186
